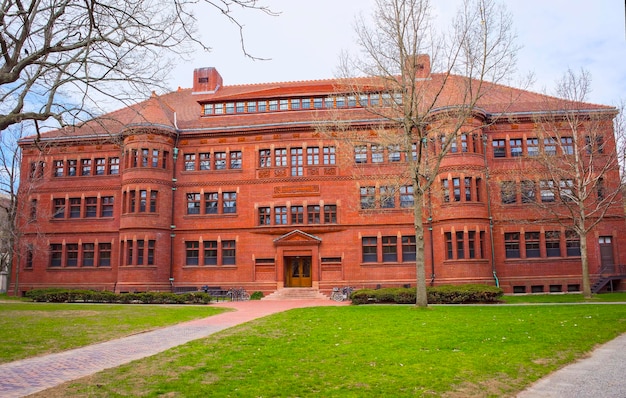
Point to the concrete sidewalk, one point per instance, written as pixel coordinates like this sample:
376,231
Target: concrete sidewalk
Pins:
28,376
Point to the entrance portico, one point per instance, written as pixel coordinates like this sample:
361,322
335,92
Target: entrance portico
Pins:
297,254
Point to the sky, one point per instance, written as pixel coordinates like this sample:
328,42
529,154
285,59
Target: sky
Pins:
304,42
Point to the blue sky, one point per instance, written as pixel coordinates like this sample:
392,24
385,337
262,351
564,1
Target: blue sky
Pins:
304,42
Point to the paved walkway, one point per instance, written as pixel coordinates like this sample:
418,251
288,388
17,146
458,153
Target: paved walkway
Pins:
28,376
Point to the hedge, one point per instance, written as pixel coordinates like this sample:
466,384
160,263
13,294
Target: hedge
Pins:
447,294
93,296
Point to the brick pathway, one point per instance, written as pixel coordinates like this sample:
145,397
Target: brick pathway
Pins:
28,376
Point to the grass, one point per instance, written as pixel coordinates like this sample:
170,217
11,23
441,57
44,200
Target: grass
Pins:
356,351
564,298
31,329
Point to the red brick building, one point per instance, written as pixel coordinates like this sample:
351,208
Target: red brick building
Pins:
234,186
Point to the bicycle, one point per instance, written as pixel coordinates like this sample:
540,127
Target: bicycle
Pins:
341,294
238,294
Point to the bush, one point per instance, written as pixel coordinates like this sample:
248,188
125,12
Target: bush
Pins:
447,294
256,296
92,296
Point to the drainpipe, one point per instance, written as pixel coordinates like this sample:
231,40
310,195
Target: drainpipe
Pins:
172,225
487,193
432,246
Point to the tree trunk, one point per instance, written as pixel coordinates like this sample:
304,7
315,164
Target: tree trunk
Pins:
421,294
585,265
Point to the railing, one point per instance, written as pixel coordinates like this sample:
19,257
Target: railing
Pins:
613,269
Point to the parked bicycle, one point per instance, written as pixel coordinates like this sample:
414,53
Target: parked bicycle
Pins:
238,295
341,294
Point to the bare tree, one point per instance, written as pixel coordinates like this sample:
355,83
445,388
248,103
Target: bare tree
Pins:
63,58
417,110
582,152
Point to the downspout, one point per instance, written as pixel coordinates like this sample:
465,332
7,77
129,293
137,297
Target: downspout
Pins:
432,245
488,194
172,213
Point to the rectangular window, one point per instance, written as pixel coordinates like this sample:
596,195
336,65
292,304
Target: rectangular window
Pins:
265,216
56,254
91,207
296,162
330,214
511,244
190,161
499,148
549,146
566,190
390,249
155,158
71,167
377,154
208,109
312,156
567,145
85,167
143,200
153,201
210,252
283,105
166,155
516,147
262,106
132,201
273,105
280,215
265,158
449,247
467,185
235,160
297,214
59,168
547,191
229,200
572,243
218,109
532,146
36,170
529,194
106,206
408,248
151,246
295,104
387,197
463,143
370,250
600,189
471,242
100,166
29,256
532,244
553,244
317,103
129,252
114,166
456,185
59,208
71,259
145,157
228,252
406,196
211,203
313,214
368,198
230,107
280,157
508,192
220,160
394,153
360,154
104,254
140,253
205,161
75,207
191,252
460,243
329,155
251,107
193,203
33,210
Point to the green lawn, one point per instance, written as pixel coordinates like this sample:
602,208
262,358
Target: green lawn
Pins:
38,328
564,298
357,351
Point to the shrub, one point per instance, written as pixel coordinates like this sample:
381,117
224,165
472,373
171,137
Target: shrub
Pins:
257,296
447,294
92,296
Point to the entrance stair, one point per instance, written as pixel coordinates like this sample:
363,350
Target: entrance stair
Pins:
296,293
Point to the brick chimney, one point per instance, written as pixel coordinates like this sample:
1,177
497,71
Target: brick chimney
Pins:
420,64
206,80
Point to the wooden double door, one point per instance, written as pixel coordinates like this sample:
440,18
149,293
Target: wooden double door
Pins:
298,271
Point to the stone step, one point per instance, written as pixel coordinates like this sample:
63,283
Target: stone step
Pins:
295,293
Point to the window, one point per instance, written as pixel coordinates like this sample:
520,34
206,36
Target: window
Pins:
516,147
151,247
33,210
88,254
511,244
166,154
132,201
205,161
448,243
600,189
265,158
56,254
129,252
229,200
467,184
104,254
193,203
390,249
153,201
211,203
529,195
71,167
29,256
280,215
100,166
370,250
368,199
572,243
566,190
280,157
192,252
408,248
295,103
145,157
406,196
190,161
456,185
106,206
463,143
296,162
377,154
228,252
85,167
114,166
460,249
445,187
155,158
313,214
58,208
313,156
549,146
230,107
532,146
140,253
317,103
74,207
235,160
471,241
532,244
59,168
251,106
360,154
394,153
297,214
330,214
553,244
387,197
210,252
499,148
143,200
508,192
273,105
547,191
37,170
594,144
220,160
567,145
91,207
71,259
265,216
